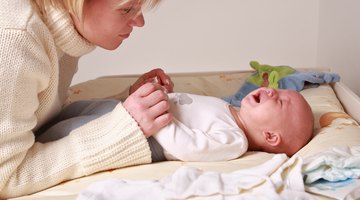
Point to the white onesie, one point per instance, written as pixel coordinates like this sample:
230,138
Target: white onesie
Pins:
203,129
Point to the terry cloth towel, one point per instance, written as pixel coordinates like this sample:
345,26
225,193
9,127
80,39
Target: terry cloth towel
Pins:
334,172
335,164
270,180
279,77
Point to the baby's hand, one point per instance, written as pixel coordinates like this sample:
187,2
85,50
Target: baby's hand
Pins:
165,85
154,76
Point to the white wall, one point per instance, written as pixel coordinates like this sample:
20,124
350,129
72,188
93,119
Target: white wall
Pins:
213,35
339,40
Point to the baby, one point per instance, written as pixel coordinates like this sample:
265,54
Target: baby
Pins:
209,129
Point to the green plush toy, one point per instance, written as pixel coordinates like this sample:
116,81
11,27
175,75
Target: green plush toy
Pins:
279,77
267,75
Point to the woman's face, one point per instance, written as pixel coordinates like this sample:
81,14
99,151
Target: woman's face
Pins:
107,26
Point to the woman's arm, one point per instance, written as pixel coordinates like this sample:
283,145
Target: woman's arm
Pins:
29,83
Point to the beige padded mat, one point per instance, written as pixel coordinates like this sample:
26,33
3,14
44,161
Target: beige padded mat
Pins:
322,100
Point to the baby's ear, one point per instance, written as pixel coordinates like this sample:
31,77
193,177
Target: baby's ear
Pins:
272,138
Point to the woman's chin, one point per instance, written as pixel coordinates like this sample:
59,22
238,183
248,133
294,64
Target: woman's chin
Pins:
111,46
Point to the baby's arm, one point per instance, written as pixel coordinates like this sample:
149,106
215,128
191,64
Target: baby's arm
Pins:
187,144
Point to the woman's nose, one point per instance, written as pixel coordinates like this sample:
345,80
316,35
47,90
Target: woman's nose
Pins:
138,20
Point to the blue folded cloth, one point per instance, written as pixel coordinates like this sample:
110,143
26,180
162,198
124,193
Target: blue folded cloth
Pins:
300,79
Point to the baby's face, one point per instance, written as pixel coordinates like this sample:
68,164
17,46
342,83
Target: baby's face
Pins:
269,109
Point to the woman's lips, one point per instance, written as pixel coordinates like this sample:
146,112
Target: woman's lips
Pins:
125,35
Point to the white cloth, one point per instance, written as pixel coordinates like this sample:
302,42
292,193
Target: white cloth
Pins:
334,173
335,164
203,129
266,181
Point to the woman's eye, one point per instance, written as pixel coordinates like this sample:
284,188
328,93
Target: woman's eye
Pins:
126,10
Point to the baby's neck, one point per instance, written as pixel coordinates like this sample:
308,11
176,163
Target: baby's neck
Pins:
239,122
235,114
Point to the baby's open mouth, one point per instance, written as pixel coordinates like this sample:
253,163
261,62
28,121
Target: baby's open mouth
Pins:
257,97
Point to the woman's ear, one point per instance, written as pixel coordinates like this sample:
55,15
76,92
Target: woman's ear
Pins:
272,138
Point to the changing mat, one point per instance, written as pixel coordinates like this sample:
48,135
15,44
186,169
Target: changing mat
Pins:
333,128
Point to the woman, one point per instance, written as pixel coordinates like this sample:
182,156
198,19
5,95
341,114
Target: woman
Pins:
41,42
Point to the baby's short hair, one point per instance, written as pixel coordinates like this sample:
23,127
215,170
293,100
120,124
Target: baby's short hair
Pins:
300,132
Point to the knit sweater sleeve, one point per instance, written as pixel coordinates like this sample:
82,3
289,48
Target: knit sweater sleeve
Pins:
111,141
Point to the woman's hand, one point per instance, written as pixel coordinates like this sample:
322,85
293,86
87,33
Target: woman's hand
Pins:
154,76
149,106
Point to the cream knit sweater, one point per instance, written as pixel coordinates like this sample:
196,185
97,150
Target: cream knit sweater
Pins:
37,62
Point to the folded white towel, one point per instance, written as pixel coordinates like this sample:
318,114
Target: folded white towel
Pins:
334,173
335,164
264,181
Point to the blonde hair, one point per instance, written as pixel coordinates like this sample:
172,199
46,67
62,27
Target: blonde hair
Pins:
75,7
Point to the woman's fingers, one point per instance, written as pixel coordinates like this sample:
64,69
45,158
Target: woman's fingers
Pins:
161,121
159,109
149,88
155,124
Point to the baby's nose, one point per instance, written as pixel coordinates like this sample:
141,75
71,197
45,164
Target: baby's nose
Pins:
272,93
